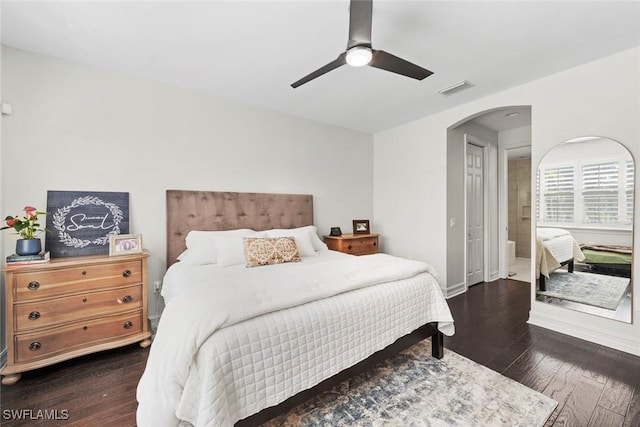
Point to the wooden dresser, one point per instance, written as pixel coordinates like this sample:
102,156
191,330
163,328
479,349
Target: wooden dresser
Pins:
355,244
73,306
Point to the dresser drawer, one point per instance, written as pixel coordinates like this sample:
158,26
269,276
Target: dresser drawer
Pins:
51,312
45,284
39,345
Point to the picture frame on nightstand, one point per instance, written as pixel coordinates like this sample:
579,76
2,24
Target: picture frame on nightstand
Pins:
361,226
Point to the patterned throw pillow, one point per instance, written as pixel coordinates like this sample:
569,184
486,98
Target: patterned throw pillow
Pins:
266,251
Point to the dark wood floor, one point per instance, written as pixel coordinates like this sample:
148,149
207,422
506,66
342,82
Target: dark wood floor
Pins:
594,385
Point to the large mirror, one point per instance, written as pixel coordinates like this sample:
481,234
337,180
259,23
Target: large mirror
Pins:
584,227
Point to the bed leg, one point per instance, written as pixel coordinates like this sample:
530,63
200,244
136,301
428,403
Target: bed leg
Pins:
437,345
570,266
543,286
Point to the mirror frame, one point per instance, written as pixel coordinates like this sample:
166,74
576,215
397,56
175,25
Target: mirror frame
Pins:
581,307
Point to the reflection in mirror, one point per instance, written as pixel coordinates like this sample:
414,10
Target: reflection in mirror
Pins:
585,227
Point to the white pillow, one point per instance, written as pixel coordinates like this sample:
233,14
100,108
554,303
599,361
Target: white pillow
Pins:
230,250
302,237
318,244
201,245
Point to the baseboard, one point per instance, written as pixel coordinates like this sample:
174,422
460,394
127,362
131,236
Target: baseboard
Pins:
494,275
596,335
457,289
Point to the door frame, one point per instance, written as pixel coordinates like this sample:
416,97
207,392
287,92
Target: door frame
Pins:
471,139
503,204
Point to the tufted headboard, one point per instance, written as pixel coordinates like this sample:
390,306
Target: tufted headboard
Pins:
214,210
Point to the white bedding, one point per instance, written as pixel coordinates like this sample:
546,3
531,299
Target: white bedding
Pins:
554,246
238,340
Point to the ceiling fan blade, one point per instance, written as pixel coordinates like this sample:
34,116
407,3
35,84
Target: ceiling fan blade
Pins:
389,62
360,12
340,60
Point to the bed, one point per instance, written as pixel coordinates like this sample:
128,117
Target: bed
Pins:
234,341
555,247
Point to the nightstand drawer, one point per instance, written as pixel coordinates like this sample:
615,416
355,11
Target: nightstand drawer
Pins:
353,244
51,342
362,246
45,284
55,311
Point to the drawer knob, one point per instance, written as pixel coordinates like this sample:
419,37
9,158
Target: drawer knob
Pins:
34,315
349,247
375,243
126,273
84,300
127,298
128,324
84,272
32,286
35,346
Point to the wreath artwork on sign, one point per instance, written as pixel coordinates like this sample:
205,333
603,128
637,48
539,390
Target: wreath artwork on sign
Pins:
82,223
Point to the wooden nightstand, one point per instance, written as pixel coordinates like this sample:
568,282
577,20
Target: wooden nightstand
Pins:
354,244
71,307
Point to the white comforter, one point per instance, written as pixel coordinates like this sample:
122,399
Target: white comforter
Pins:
554,246
228,298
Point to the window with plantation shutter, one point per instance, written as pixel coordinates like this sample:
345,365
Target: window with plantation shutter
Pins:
629,185
558,194
600,193
588,186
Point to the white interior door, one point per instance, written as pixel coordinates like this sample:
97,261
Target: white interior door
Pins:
475,214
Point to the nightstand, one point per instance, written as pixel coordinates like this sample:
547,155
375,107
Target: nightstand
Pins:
354,244
71,307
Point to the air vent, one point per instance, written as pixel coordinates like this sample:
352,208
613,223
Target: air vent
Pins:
456,87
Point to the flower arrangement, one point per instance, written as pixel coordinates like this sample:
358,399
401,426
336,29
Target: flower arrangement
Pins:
28,226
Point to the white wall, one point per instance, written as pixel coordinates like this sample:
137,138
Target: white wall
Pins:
78,128
410,170
514,138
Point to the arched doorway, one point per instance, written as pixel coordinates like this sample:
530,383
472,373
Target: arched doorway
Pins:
499,132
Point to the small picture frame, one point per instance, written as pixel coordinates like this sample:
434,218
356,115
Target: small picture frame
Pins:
361,226
335,231
125,244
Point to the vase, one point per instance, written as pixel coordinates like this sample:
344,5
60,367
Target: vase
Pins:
28,246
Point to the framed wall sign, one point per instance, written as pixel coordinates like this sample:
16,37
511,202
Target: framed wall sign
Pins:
82,222
361,226
125,244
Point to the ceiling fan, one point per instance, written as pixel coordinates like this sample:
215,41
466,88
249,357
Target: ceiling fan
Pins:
360,53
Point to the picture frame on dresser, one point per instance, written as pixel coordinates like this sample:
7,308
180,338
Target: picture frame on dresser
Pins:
361,226
125,244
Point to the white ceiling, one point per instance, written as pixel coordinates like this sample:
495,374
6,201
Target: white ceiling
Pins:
250,52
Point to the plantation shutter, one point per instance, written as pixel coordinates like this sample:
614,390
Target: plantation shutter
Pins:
600,186
558,194
538,217
629,185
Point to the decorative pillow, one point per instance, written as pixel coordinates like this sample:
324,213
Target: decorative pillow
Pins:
201,245
268,250
302,236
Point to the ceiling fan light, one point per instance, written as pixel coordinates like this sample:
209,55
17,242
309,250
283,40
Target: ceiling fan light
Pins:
359,56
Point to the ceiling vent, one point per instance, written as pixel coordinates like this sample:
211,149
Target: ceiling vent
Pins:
456,87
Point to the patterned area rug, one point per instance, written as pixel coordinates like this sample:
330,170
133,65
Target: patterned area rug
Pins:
415,389
598,290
